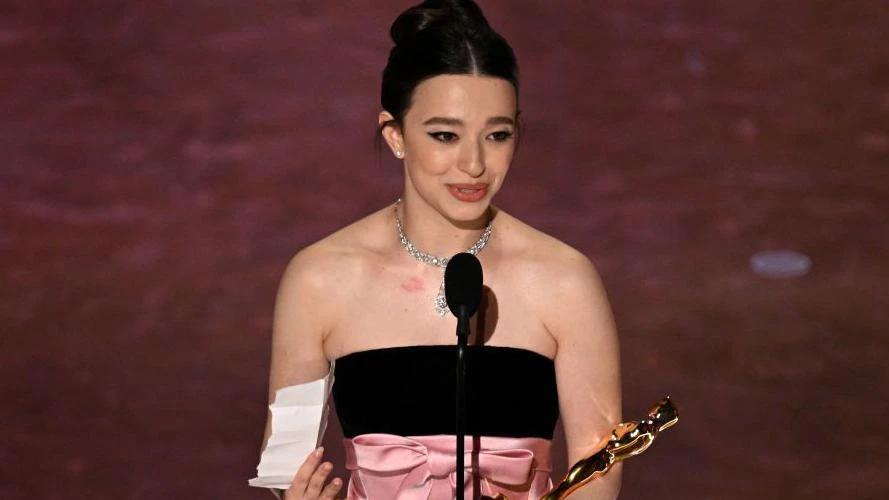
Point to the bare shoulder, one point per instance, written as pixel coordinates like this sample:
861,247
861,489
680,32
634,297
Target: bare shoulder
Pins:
317,282
562,281
340,258
545,257
321,276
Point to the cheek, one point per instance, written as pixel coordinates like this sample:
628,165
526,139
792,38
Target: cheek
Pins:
502,160
431,160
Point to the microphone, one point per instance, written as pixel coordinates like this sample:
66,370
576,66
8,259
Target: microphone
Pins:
463,293
463,284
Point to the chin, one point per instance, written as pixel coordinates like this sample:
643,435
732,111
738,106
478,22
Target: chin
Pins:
460,212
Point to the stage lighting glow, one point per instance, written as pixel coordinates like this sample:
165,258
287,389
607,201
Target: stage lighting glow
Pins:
780,264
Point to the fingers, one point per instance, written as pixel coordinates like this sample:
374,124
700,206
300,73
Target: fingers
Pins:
304,473
331,489
309,481
316,482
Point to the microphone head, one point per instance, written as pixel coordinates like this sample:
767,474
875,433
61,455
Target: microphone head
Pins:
463,283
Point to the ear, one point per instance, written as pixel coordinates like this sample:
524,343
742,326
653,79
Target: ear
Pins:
391,133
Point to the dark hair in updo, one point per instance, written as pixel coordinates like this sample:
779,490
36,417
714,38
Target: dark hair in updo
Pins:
442,37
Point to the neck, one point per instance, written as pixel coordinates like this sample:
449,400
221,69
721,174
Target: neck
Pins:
435,234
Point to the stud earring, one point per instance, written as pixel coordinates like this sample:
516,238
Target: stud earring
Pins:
399,154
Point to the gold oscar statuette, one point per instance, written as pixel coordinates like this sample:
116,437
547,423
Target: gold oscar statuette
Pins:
627,439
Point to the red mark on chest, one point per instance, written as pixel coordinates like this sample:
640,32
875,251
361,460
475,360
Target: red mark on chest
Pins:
413,285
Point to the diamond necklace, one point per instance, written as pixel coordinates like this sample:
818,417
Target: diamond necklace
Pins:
441,303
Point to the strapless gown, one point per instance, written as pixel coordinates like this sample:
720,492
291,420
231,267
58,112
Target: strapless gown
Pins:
397,410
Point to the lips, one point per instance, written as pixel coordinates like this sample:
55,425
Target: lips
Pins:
468,192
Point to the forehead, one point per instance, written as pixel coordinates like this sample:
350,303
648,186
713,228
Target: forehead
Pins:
466,97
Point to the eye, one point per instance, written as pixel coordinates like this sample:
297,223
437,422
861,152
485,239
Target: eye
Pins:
445,137
502,136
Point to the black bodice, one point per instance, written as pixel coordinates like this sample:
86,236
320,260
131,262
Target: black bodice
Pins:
410,391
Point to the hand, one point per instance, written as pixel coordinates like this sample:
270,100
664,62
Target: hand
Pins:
308,483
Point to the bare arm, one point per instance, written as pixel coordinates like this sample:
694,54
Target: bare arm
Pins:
298,329
302,316
587,367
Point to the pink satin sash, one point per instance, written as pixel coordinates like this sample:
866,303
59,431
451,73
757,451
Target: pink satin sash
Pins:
389,467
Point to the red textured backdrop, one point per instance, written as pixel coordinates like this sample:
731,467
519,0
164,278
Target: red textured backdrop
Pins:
163,160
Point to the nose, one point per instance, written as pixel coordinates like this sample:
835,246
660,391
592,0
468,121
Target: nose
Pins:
472,158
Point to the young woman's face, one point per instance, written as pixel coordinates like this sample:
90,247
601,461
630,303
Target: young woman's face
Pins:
458,139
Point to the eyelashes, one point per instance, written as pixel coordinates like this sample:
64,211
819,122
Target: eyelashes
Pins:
502,136
445,137
449,137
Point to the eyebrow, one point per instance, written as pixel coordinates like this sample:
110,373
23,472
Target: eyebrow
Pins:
454,122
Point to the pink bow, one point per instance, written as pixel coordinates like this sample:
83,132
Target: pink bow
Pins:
409,470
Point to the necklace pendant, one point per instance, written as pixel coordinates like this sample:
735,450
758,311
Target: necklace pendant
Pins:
441,302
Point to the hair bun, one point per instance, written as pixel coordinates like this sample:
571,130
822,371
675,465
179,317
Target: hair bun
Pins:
461,14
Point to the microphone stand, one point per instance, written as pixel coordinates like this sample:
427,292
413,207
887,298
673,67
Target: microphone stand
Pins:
463,282
462,340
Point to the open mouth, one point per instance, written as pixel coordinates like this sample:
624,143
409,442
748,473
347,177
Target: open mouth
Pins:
468,192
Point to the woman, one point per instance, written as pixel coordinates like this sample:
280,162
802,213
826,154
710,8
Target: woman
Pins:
368,296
